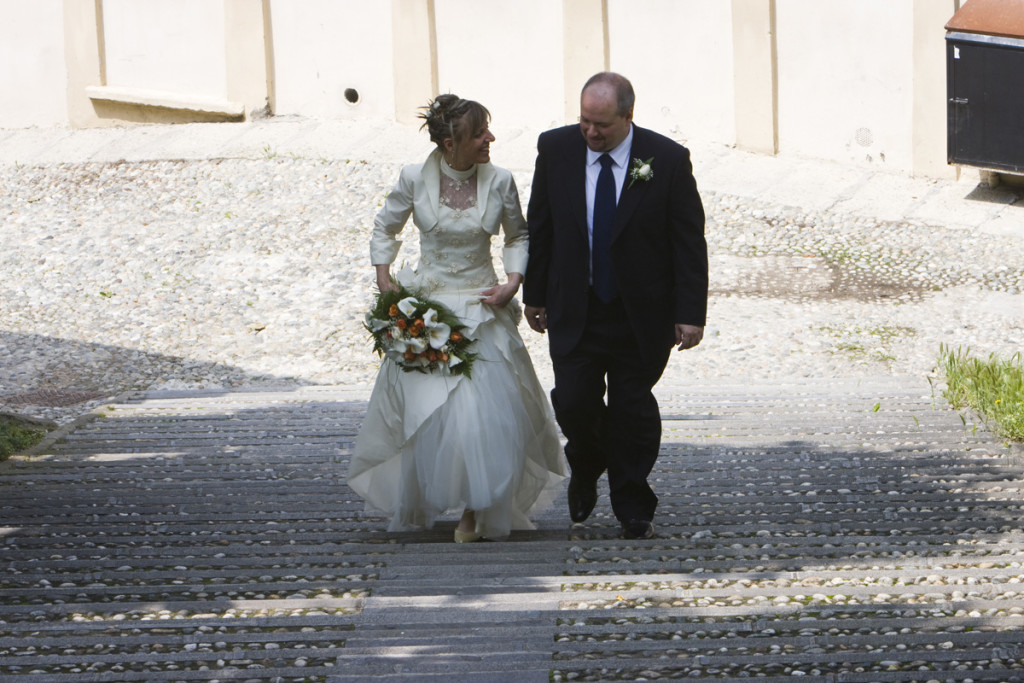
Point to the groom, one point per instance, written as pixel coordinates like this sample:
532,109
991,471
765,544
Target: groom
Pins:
618,275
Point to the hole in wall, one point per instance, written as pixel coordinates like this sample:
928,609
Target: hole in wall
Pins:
351,95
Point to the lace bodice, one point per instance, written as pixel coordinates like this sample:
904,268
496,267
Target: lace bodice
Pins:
457,253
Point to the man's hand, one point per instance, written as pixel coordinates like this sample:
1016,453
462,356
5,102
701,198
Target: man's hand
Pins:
688,336
536,318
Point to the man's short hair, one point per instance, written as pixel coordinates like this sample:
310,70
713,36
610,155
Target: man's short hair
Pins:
624,95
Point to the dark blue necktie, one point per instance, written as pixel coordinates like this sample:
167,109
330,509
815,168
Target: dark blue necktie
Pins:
604,217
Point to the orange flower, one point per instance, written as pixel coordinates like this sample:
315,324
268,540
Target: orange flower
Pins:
401,323
410,356
415,331
393,311
419,323
456,337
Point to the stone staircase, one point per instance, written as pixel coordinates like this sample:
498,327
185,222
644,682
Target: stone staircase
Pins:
835,530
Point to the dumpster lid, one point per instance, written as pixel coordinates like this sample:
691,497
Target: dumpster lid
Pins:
992,17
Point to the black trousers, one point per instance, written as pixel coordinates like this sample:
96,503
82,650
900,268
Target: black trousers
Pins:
604,404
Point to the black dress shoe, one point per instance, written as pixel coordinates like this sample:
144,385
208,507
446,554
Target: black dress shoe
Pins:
582,498
637,528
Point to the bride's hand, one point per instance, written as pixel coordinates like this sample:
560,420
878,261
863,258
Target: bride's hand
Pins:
500,295
384,281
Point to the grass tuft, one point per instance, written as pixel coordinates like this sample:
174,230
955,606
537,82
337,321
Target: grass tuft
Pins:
993,387
15,438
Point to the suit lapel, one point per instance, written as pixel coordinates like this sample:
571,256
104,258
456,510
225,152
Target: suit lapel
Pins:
576,177
631,197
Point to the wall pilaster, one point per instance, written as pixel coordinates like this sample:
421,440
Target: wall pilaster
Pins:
245,49
755,75
414,37
585,48
83,55
929,109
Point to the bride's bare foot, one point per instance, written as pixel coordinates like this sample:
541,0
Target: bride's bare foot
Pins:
465,532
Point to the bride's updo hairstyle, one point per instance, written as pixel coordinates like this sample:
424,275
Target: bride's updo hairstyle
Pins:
450,116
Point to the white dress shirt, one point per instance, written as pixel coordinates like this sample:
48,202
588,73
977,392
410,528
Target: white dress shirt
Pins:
620,159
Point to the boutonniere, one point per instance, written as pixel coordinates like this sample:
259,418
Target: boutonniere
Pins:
641,171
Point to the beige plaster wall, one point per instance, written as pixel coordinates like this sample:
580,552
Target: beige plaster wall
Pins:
507,55
322,48
857,81
175,46
678,54
32,78
846,80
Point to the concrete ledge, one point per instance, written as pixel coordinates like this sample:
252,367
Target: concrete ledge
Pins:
164,99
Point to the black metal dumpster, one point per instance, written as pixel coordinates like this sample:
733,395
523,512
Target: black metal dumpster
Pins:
985,85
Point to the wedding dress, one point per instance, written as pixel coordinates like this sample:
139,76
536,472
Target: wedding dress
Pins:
433,443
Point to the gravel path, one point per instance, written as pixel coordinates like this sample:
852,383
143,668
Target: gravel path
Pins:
247,273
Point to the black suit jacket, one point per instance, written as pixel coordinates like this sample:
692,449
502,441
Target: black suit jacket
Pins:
659,254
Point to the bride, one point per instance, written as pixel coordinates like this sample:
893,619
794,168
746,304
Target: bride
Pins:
431,443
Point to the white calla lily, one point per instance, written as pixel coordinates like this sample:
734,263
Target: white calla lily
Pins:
439,335
453,360
376,324
430,318
408,305
416,344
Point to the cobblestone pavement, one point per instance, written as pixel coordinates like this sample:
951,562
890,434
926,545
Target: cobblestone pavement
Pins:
231,257
838,530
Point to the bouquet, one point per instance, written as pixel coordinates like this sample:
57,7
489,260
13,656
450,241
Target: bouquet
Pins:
419,334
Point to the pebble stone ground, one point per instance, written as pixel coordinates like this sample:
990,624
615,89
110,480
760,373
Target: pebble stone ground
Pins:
823,514
133,260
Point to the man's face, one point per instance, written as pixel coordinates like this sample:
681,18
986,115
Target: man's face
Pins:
602,127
